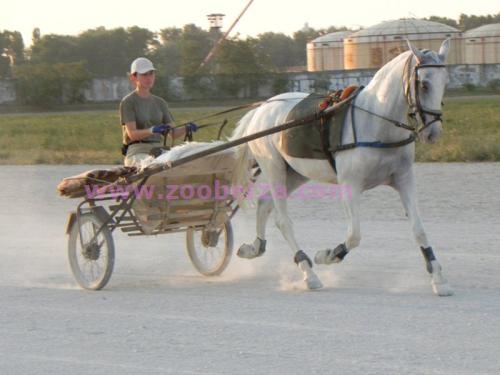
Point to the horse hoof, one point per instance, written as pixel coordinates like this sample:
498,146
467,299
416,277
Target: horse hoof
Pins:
250,251
246,251
442,289
313,282
325,257
330,256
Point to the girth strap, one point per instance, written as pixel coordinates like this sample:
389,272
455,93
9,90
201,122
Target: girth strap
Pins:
377,144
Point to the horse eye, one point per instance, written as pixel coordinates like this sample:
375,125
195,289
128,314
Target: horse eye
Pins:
425,85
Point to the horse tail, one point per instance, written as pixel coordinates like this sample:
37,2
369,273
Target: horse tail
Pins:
242,171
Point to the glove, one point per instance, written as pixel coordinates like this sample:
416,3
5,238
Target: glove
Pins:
191,126
161,129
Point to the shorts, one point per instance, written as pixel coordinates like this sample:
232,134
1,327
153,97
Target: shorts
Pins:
135,160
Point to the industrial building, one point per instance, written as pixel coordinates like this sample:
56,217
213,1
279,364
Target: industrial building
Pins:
482,45
327,52
373,47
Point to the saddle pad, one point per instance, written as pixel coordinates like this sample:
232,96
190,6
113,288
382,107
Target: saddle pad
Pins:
307,141
304,141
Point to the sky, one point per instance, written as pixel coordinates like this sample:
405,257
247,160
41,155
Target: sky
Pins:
286,16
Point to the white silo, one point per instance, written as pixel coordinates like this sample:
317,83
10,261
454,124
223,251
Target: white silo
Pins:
327,52
373,47
482,45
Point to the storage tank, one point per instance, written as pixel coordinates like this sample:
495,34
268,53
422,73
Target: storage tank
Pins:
327,52
375,46
482,45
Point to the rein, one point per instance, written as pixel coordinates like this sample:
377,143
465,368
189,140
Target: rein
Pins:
414,109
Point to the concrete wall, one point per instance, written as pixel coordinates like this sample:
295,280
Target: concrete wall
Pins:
108,89
7,91
114,89
478,75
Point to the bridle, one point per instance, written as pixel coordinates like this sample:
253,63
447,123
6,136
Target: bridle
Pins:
414,107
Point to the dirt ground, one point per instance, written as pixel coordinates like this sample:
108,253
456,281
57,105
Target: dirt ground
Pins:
376,314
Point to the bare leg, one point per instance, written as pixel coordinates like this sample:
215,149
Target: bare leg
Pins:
405,185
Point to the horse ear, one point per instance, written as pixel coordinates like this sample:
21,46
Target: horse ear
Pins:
444,50
416,52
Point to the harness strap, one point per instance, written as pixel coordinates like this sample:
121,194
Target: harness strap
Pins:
377,144
325,143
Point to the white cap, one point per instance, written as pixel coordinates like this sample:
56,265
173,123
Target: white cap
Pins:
141,65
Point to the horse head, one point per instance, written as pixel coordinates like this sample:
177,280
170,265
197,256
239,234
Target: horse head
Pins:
425,85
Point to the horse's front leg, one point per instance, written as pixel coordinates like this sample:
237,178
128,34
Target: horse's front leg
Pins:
405,185
351,199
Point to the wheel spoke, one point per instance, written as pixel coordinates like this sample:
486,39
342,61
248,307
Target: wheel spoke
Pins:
92,265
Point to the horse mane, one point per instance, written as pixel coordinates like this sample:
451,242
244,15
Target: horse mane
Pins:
430,57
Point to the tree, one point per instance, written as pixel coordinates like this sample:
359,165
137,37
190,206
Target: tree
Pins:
195,44
275,51
444,20
46,84
15,46
11,51
301,38
54,48
237,67
109,52
471,22
167,55
35,35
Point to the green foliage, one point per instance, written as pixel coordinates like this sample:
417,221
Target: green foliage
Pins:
167,55
11,51
275,50
469,87
468,22
444,20
52,49
4,66
237,67
494,85
471,133
195,44
48,84
162,86
107,53
281,83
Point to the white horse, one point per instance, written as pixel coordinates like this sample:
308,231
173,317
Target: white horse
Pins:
402,102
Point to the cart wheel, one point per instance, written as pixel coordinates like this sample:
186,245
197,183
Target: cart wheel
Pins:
91,264
210,253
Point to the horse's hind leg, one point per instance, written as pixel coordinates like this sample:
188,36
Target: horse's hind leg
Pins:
275,173
264,208
405,185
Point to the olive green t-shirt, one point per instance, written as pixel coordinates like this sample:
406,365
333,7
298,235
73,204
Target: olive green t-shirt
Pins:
146,112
